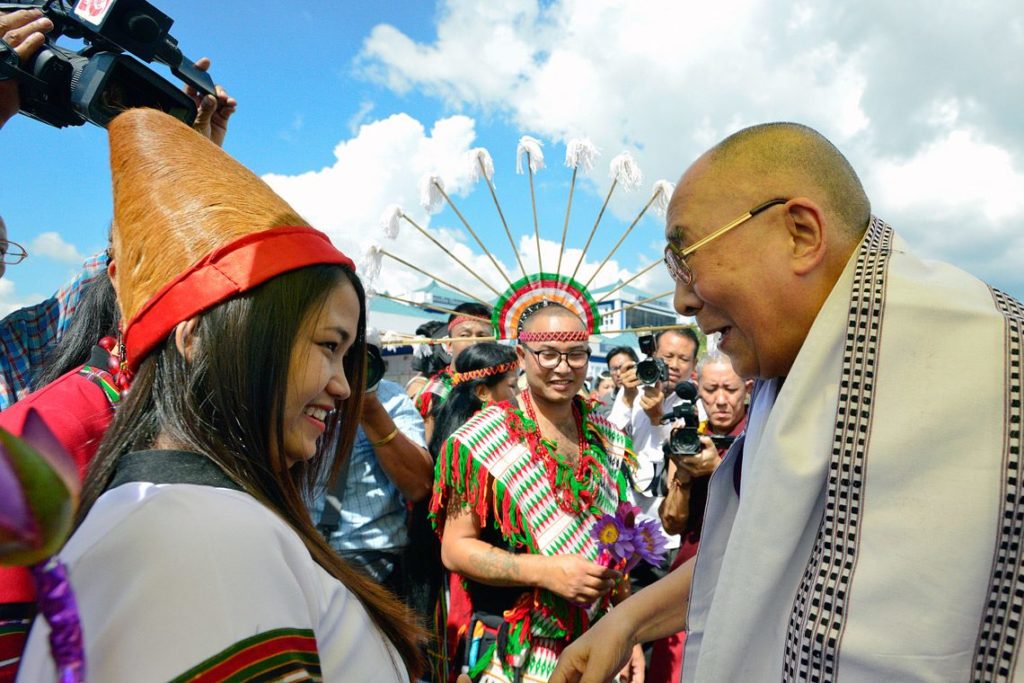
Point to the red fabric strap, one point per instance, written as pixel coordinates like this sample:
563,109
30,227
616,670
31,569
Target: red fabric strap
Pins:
573,336
234,268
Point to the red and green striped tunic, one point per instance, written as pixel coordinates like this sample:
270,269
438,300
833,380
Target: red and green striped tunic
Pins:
491,468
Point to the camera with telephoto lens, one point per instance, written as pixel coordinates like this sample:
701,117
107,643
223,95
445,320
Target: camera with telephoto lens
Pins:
61,87
650,370
683,440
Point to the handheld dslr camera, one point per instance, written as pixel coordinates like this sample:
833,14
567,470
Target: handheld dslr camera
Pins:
61,87
650,370
683,440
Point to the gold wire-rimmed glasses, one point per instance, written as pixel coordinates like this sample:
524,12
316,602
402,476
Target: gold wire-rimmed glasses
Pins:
12,253
675,259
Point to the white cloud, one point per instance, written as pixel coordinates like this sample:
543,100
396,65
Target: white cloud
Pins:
380,166
953,172
650,79
383,165
937,139
360,117
51,245
11,301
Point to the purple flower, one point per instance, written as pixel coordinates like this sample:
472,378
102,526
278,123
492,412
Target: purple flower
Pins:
614,537
650,541
627,513
39,490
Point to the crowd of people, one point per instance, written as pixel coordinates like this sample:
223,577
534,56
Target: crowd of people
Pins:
254,508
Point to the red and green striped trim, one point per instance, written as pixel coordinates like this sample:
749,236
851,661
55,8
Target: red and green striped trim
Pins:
533,289
284,654
15,620
104,380
436,390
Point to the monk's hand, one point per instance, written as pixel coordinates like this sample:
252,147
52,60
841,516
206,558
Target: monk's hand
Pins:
577,579
599,654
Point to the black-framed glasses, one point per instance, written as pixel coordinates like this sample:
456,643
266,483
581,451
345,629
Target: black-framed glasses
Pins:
675,259
550,359
12,253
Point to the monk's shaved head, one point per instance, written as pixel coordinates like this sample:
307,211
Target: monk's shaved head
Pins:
800,157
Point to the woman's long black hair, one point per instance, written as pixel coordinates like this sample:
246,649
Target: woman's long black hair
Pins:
423,553
226,402
95,317
462,403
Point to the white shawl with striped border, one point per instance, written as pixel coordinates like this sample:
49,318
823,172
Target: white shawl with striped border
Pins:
878,534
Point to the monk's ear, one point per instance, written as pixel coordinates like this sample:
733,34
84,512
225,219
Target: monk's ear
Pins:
808,235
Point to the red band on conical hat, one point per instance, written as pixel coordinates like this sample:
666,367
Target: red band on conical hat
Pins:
228,271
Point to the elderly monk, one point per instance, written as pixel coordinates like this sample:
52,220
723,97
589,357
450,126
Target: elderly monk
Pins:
868,526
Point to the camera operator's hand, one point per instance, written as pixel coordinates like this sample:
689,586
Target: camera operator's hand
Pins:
704,463
630,383
652,402
213,112
406,463
24,31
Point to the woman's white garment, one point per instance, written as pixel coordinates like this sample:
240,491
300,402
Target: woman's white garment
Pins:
168,576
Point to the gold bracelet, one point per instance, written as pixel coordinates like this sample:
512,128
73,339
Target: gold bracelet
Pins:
386,440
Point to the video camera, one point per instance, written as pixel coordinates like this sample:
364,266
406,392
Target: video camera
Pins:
683,440
686,440
61,87
650,370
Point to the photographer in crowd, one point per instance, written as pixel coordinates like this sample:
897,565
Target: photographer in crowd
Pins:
638,410
29,335
24,31
723,395
618,359
365,518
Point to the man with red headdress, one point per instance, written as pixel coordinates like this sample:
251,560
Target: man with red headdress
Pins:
468,325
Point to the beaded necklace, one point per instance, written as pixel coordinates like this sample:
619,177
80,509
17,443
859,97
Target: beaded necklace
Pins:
575,484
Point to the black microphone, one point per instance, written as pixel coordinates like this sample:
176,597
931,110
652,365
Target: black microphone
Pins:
687,390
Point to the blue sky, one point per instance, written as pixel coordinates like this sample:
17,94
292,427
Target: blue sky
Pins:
343,107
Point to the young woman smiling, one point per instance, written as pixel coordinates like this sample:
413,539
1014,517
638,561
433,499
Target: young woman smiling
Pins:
195,558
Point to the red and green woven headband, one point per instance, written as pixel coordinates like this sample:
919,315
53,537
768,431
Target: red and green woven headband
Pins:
470,375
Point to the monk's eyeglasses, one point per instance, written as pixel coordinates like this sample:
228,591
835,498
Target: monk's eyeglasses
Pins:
675,258
12,253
